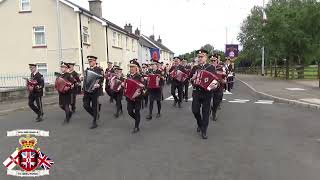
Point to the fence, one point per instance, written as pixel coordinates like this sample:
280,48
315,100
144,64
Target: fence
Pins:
285,71
12,81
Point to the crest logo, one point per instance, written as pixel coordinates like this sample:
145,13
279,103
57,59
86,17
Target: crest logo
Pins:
27,161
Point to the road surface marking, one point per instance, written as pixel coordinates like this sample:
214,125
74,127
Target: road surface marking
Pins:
239,101
295,89
311,100
264,102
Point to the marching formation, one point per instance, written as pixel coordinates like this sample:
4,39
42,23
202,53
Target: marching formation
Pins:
141,88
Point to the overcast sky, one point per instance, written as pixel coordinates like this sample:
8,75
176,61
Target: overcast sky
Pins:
184,25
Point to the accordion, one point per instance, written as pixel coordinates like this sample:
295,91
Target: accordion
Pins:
179,75
206,80
115,84
62,85
31,84
153,81
132,89
90,79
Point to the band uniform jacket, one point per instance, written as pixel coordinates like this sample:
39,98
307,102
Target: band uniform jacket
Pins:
179,67
195,69
138,77
38,90
65,98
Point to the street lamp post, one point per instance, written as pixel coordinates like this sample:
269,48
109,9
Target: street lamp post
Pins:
264,19
59,31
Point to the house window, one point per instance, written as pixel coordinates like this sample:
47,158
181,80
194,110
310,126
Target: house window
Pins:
114,39
39,36
133,46
86,35
119,40
43,69
127,43
25,5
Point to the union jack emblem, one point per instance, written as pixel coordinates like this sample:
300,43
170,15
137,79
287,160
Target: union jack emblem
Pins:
44,161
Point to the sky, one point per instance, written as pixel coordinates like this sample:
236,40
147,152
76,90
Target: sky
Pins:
183,25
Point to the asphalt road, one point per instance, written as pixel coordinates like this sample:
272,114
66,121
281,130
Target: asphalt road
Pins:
250,141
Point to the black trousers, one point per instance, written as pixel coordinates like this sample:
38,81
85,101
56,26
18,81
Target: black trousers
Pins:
38,107
73,100
65,100
201,108
185,90
230,82
216,100
91,104
118,97
133,108
179,87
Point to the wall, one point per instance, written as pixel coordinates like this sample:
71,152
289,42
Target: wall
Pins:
18,31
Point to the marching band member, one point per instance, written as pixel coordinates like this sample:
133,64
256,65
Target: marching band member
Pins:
154,86
186,82
176,84
217,93
145,96
65,92
201,97
108,75
134,104
230,74
92,89
35,87
116,87
76,90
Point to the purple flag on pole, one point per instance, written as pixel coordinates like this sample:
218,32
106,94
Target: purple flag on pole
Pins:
232,50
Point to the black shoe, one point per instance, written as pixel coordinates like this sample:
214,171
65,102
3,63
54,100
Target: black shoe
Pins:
179,105
121,112
158,115
111,100
116,115
149,117
204,135
135,130
94,125
39,119
198,130
214,117
174,104
186,100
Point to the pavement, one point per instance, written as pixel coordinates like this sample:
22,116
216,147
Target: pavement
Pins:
253,139
304,93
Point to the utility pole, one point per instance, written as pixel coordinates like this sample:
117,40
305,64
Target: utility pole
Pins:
262,53
59,31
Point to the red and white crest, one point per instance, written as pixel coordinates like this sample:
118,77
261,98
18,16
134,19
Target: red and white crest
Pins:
28,159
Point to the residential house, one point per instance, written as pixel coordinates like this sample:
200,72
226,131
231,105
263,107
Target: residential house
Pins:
31,34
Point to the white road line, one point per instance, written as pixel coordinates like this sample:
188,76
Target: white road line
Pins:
264,102
239,101
295,89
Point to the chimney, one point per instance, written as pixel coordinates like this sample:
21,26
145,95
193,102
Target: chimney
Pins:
159,40
95,7
152,37
137,32
128,28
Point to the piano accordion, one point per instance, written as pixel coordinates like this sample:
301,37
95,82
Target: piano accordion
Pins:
115,84
153,81
132,89
178,75
62,85
206,80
